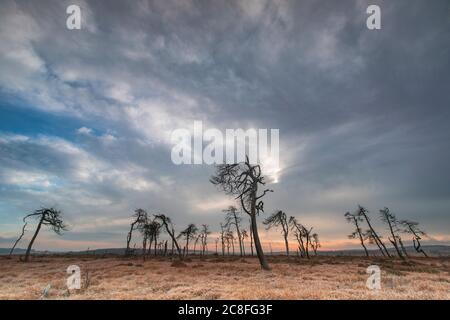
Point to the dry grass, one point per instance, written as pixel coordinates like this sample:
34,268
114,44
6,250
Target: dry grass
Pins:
114,277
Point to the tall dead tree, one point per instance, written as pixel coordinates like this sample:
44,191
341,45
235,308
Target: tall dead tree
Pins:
276,219
389,218
412,227
243,180
371,234
140,217
232,218
18,239
188,234
170,230
358,233
47,217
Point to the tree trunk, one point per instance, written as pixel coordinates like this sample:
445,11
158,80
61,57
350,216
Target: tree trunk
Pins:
403,248
286,243
377,238
18,239
259,250
360,236
27,254
251,237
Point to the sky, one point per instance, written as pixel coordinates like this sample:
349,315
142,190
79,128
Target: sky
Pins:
86,115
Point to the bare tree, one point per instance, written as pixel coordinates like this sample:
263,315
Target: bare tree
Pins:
356,220
233,219
371,233
140,217
244,235
276,219
47,217
197,239
204,237
242,180
389,218
169,228
229,235
217,242
222,237
18,239
300,233
412,228
188,234
315,243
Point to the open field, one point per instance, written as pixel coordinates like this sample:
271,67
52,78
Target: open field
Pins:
113,277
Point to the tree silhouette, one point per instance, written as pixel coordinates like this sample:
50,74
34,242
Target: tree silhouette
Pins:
204,232
356,220
233,219
389,218
412,228
140,217
188,234
276,219
169,228
302,234
18,239
242,180
47,217
315,243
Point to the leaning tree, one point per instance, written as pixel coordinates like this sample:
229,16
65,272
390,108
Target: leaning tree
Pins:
276,219
356,219
243,180
47,217
412,227
169,228
391,220
140,218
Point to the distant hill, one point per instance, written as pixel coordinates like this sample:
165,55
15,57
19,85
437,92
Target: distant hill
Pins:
431,250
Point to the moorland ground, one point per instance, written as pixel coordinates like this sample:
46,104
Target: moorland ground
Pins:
212,277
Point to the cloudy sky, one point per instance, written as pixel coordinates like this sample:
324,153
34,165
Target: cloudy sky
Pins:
86,115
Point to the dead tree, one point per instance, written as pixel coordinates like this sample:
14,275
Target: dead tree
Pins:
217,242
47,217
300,234
356,220
315,243
188,234
242,180
204,238
197,239
169,228
276,219
363,212
233,219
389,218
230,239
140,217
18,239
412,227
244,235
222,238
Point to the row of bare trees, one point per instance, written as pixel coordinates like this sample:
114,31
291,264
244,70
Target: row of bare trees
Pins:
395,228
304,236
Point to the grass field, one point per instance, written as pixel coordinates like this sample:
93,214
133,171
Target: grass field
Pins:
114,277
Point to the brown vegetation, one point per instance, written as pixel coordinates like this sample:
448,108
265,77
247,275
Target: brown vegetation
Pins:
218,277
